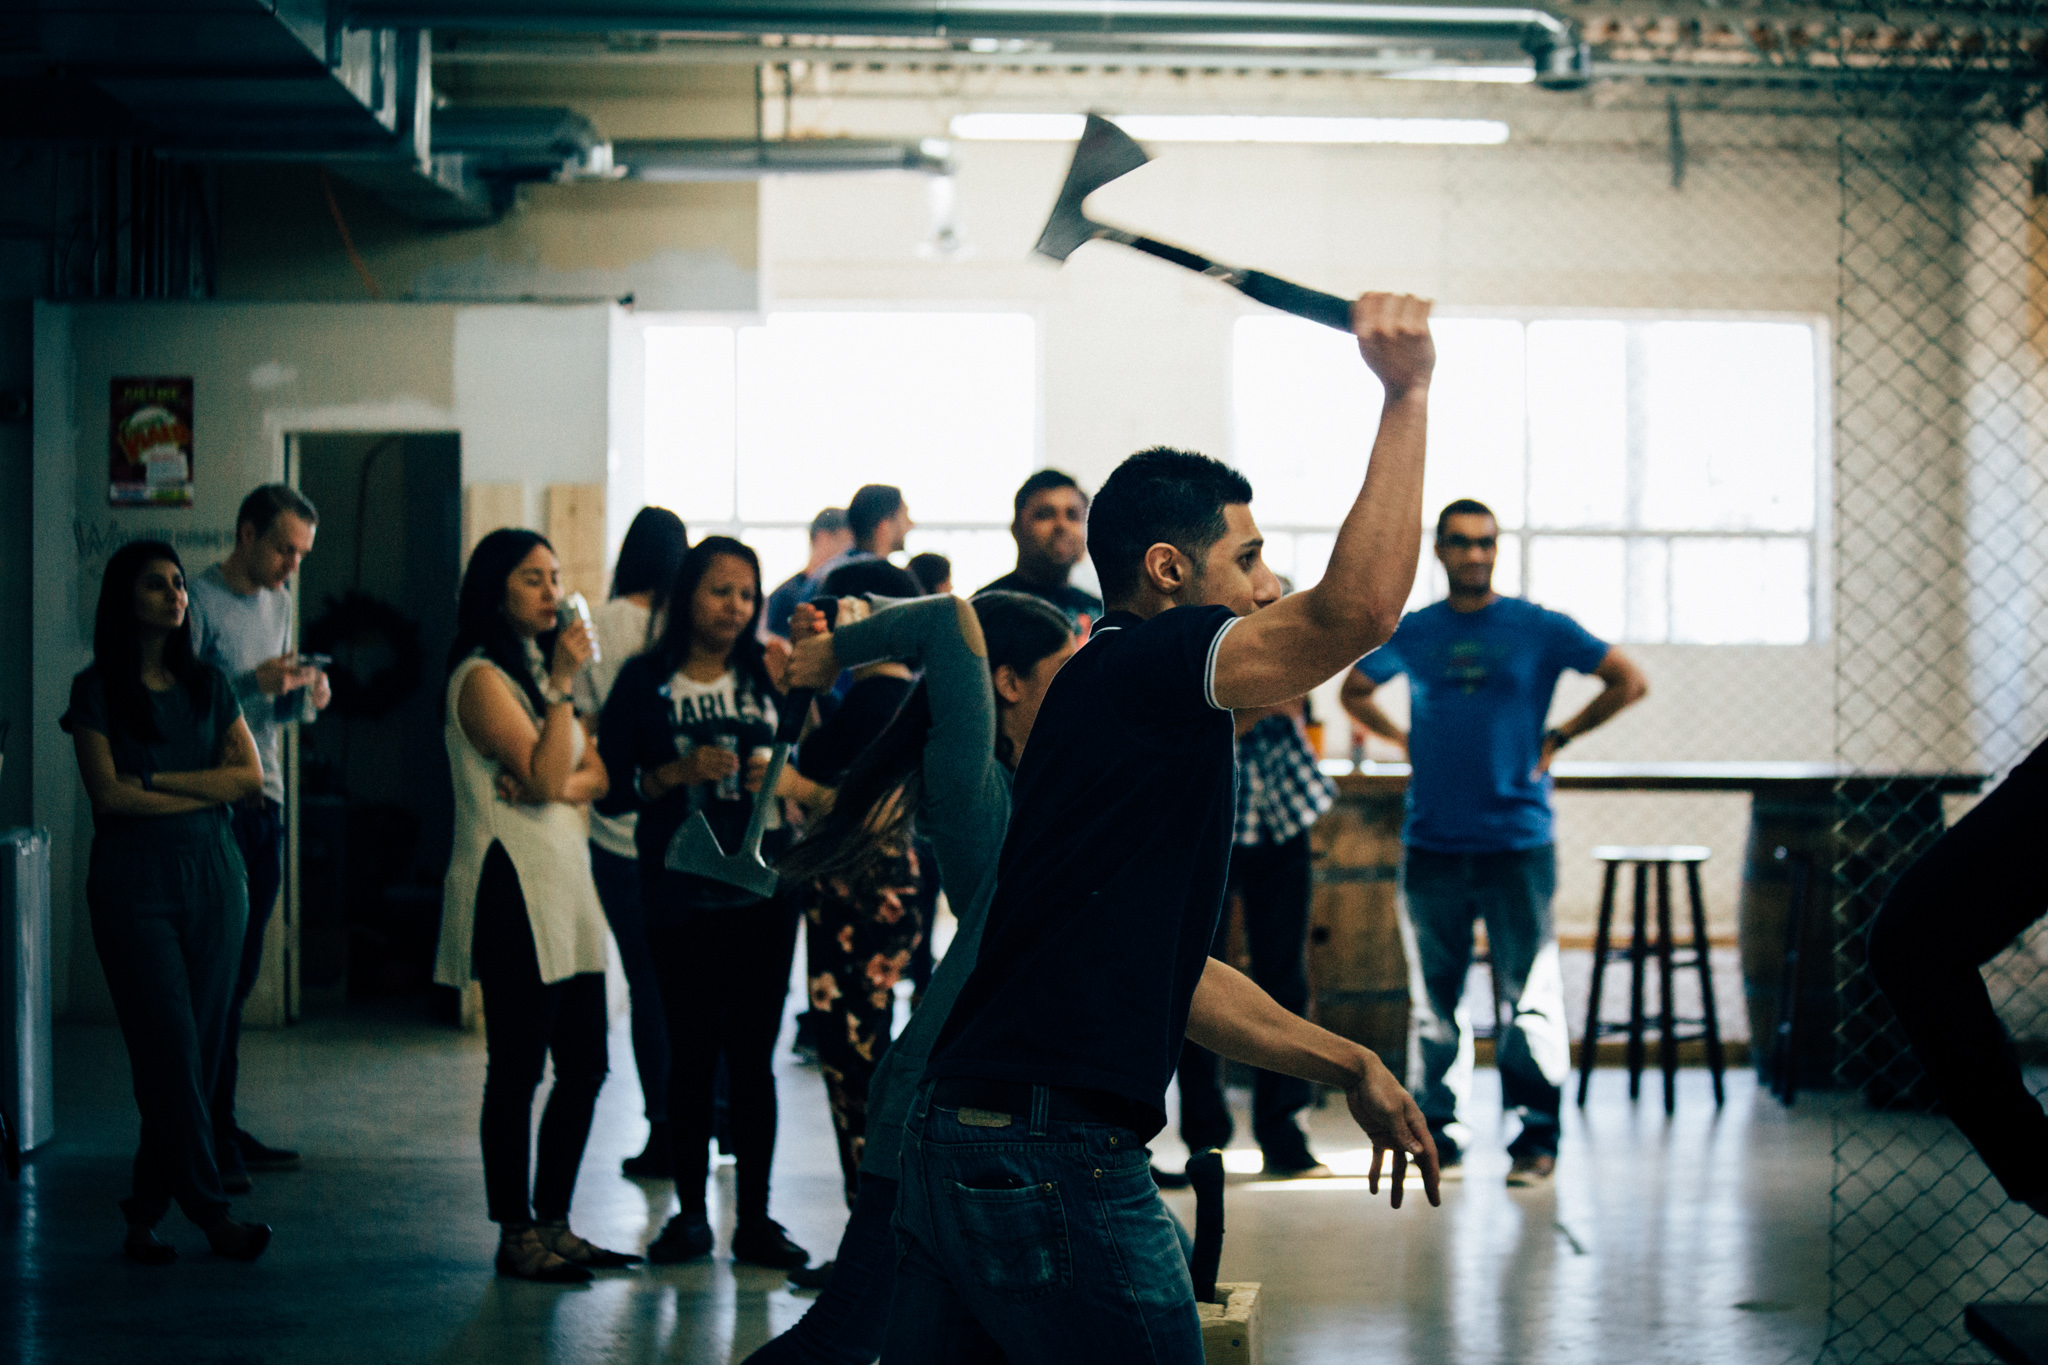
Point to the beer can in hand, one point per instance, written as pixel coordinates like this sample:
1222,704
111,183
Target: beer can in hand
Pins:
729,785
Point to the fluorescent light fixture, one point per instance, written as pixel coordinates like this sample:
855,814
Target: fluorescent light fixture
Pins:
1235,128
1523,74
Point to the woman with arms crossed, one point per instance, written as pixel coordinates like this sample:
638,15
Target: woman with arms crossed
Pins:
520,913
163,750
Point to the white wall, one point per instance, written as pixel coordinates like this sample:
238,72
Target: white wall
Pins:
525,387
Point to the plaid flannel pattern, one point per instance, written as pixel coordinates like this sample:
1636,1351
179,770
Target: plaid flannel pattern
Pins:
1280,790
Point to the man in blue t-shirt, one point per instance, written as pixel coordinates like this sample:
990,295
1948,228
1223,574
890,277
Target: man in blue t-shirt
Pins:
1481,670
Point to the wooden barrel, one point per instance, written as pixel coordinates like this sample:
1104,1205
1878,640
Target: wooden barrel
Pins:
1357,971
1785,831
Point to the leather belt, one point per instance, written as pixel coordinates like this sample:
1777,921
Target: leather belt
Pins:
1065,1104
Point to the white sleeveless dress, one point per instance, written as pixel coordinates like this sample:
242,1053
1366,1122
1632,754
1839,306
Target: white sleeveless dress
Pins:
549,848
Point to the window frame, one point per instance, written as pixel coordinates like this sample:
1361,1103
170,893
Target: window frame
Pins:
1820,538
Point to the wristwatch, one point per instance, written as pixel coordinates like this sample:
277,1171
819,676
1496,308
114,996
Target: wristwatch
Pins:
1557,737
552,695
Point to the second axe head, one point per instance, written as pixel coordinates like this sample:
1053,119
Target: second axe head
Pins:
1104,153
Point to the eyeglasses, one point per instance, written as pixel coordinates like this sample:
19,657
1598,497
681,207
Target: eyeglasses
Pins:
1455,542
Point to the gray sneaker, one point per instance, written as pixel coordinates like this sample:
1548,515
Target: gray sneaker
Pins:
1532,1170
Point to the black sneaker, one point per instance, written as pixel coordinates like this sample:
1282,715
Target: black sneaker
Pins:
257,1157
234,1172
684,1239
765,1243
1286,1153
815,1277
657,1162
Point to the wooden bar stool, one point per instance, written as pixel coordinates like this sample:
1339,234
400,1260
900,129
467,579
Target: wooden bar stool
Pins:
1640,947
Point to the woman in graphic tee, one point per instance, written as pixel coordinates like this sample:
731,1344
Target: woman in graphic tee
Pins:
687,728
163,749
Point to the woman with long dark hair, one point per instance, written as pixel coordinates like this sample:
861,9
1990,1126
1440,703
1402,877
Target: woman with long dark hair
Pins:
943,764
688,729
626,624
519,912
163,751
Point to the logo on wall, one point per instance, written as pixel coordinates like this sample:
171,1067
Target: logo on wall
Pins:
149,426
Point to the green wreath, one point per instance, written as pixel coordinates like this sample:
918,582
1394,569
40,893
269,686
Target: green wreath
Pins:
353,626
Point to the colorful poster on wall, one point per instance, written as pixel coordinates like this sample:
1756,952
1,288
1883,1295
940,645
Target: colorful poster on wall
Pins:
149,425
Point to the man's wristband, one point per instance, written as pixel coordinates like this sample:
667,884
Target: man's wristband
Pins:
1557,737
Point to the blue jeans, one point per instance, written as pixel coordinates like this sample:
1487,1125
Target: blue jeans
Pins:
1441,895
1034,1240
258,825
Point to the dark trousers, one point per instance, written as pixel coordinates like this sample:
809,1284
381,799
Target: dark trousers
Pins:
1274,880
724,976
168,916
525,1021
847,1323
1955,909
1039,1241
618,890
259,833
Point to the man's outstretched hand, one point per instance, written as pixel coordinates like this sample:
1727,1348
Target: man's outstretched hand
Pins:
1393,336
1388,1114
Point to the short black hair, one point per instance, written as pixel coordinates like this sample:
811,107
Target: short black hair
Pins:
874,504
263,505
1464,507
930,569
876,576
1161,495
828,521
1039,483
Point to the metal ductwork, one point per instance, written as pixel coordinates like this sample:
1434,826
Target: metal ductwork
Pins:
1148,32
745,159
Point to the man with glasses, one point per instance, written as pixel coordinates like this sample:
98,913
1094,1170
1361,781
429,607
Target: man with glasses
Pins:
1478,842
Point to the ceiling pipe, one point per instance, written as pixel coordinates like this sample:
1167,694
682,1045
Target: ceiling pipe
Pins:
1112,21
702,159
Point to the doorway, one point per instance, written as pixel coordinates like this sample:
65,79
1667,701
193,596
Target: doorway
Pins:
373,810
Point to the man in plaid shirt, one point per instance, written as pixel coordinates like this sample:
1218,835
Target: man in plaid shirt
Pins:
1280,792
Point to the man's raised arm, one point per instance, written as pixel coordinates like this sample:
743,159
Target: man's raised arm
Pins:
1307,637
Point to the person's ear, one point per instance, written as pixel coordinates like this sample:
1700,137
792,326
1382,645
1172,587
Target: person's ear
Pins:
1166,569
245,534
1009,687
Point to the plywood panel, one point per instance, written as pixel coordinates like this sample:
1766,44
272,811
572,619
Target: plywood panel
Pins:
486,507
575,523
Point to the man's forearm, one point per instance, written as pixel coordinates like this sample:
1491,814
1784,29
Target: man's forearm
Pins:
1597,712
1363,709
1232,1016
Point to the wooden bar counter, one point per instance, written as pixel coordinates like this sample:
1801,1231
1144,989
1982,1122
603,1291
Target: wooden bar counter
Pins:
1856,830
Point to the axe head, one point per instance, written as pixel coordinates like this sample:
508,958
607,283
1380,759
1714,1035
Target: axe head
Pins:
695,850
1104,153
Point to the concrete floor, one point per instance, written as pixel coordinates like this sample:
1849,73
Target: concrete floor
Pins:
1702,1240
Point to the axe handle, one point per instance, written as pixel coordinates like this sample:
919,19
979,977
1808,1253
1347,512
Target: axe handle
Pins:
1271,290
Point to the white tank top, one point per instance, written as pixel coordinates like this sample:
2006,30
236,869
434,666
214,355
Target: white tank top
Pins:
548,845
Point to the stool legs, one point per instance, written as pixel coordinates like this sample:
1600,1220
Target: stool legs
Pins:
1715,1060
1603,936
1667,1017
1637,945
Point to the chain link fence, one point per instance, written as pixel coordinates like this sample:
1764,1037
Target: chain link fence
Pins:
1941,679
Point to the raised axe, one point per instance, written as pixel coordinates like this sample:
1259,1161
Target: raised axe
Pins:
695,850
1107,152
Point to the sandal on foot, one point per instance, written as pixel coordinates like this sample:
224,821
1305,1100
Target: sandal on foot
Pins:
523,1256
557,1238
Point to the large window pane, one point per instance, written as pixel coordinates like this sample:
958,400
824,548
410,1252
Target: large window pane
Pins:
1578,424
689,431
1740,590
1476,422
944,405
1583,577
1729,415
1304,410
979,557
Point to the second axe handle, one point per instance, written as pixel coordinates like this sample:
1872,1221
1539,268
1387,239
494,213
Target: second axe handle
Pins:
1271,290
